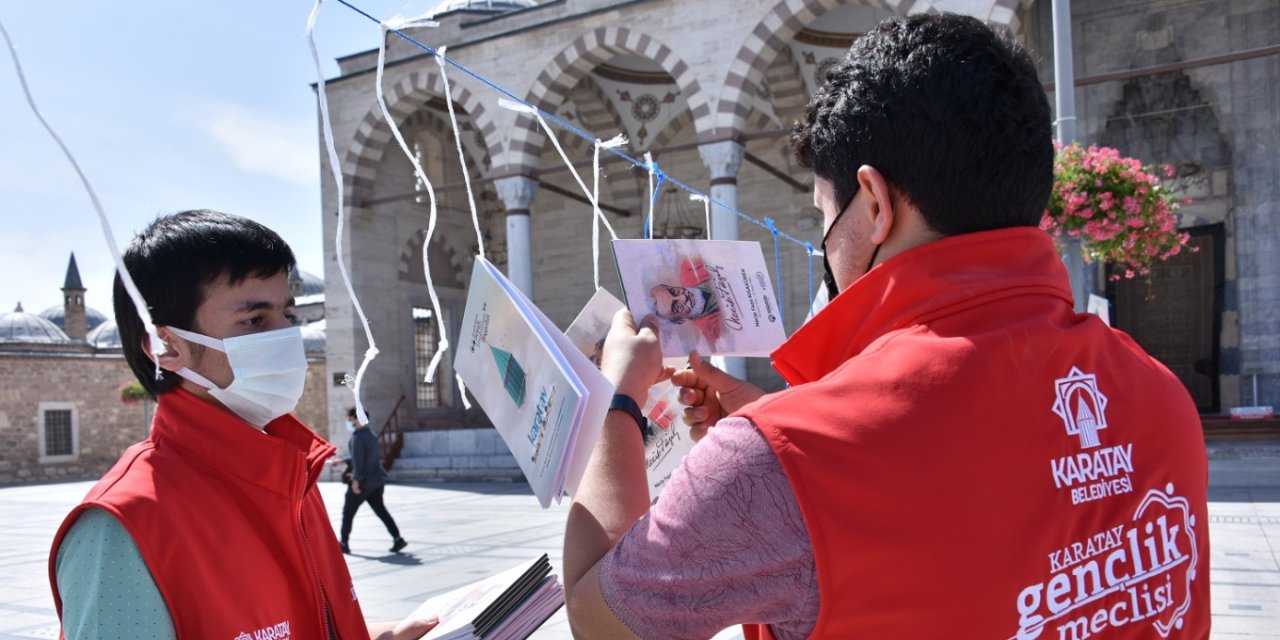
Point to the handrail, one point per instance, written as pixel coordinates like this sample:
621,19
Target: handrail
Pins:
390,438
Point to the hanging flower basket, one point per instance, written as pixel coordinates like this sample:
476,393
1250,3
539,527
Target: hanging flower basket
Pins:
1118,210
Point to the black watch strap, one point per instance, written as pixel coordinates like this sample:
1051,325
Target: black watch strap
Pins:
623,402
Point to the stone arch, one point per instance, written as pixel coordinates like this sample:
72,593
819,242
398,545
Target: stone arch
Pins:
438,124
551,89
783,22
373,137
446,272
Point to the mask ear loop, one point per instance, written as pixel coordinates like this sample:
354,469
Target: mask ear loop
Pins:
598,215
140,304
395,24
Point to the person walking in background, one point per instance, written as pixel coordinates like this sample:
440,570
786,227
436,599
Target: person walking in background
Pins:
368,479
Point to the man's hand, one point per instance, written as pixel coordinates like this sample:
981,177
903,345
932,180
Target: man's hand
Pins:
407,629
632,357
710,394
355,486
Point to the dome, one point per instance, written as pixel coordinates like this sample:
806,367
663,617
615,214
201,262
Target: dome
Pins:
22,327
311,284
484,6
92,317
313,339
302,283
105,336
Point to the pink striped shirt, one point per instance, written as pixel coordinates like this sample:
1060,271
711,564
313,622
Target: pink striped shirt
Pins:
724,545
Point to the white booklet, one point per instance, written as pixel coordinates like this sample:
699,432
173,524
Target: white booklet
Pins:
667,438
545,397
714,296
509,605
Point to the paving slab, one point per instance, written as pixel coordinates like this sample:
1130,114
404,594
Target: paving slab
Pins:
461,532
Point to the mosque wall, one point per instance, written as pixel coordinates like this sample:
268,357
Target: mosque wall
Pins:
88,384
1215,122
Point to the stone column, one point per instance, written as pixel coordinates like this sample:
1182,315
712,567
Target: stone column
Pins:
723,160
517,193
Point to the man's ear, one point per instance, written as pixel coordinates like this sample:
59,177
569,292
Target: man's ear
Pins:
881,213
177,352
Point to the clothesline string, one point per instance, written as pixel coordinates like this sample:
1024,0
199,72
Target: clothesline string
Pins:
575,130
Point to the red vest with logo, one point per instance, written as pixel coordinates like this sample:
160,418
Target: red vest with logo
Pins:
231,525
973,459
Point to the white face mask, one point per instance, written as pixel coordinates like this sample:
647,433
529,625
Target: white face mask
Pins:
269,369
351,426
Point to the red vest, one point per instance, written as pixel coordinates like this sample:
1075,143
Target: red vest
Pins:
231,525
975,460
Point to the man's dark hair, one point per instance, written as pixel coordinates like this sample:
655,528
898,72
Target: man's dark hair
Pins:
174,260
351,413
950,112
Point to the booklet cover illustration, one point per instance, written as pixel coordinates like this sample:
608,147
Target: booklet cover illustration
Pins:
714,296
535,387
667,437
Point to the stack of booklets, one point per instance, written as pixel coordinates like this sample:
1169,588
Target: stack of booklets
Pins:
508,606
544,396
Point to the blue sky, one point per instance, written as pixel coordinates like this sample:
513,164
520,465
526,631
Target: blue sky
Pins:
167,106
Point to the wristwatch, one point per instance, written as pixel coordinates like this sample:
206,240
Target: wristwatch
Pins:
623,402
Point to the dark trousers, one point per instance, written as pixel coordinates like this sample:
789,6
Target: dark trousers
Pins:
352,504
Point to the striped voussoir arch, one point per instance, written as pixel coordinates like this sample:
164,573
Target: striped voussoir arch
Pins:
788,17
770,37
373,137
554,84
438,124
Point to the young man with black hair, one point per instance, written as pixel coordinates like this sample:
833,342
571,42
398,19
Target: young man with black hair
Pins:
213,526
959,454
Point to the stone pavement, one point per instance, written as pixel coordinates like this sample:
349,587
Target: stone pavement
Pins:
460,532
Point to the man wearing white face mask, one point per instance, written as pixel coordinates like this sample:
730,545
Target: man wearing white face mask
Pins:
212,526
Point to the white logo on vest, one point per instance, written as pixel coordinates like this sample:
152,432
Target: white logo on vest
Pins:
277,631
1136,571
1096,472
1088,416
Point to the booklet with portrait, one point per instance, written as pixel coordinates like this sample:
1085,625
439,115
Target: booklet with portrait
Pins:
546,399
667,438
508,606
713,296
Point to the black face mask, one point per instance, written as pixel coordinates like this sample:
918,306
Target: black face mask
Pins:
829,278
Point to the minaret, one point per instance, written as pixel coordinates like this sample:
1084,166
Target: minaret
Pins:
74,323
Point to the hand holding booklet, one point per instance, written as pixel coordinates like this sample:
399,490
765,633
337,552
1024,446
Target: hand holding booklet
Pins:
667,438
713,296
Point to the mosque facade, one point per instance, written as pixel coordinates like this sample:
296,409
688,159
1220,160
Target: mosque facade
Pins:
710,89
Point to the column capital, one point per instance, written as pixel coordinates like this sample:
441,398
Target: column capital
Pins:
723,160
516,192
